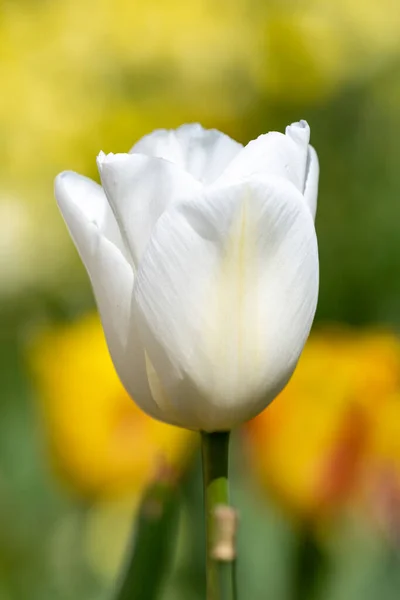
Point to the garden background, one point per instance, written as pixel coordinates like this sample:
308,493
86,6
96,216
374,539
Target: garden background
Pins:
316,477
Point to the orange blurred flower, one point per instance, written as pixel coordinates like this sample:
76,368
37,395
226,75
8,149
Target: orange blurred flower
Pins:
101,442
332,438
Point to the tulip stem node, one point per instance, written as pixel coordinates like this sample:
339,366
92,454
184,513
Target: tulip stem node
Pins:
223,546
220,518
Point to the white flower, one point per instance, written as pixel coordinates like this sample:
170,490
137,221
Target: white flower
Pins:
203,259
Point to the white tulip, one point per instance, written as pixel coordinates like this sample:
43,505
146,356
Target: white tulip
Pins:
203,259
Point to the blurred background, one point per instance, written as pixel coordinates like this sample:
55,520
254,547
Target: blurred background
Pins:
316,477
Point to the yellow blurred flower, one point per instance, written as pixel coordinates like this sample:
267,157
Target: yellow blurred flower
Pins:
69,64
332,439
101,442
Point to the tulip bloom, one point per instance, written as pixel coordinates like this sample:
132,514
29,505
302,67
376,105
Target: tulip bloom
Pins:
203,259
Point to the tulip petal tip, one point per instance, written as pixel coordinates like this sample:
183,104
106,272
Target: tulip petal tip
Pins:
63,175
60,181
299,132
102,158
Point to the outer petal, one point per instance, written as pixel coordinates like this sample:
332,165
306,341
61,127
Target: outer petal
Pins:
89,198
226,292
112,281
204,153
311,184
139,189
273,154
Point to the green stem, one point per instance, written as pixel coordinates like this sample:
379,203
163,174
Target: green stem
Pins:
220,572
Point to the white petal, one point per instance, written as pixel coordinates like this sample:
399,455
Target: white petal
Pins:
273,154
139,188
112,280
226,292
110,274
204,153
136,373
311,184
89,198
161,143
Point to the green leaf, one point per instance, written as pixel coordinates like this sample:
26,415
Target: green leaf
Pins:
153,544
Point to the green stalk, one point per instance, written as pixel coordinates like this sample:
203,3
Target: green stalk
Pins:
220,568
